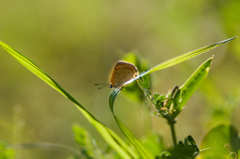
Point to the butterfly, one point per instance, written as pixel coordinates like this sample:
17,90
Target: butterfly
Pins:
122,72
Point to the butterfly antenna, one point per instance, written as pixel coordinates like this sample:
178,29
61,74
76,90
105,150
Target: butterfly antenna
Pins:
104,85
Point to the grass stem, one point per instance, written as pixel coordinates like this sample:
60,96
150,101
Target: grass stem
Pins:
173,132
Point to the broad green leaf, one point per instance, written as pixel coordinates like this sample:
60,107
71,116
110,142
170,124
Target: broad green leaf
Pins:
190,86
220,141
181,58
116,142
132,139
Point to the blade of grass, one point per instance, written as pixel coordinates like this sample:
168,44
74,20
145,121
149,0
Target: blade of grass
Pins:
181,58
132,139
114,141
187,56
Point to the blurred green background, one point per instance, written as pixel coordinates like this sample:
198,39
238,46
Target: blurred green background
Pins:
78,42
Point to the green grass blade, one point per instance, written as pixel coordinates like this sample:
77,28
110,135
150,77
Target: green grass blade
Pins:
132,139
181,58
187,56
190,86
114,141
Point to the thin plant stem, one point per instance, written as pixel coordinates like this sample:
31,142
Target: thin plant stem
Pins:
173,132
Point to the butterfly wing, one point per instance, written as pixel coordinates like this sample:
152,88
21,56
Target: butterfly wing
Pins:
123,71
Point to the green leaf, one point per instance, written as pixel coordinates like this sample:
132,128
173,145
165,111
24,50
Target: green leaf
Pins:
182,150
145,82
190,86
116,142
217,139
142,152
84,141
81,135
176,99
191,140
159,101
155,97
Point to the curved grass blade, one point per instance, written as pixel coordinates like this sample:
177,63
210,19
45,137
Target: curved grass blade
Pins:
181,58
133,140
190,86
114,141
